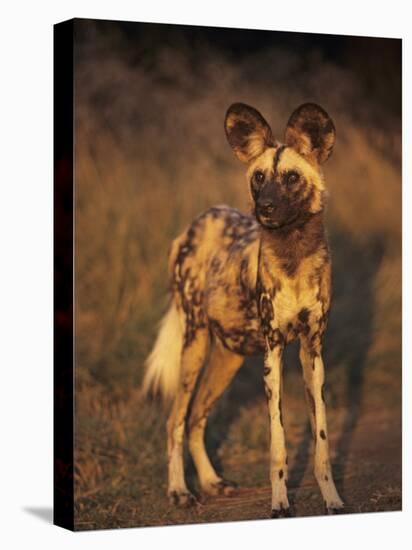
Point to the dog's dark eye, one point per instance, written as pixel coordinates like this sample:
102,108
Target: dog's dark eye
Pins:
292,178
258,176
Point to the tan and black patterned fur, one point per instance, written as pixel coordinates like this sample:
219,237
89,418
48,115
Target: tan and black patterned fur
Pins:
250,284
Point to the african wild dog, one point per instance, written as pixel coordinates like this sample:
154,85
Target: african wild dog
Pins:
243,285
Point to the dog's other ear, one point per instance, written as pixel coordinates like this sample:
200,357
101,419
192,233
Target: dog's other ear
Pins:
311,132
247,132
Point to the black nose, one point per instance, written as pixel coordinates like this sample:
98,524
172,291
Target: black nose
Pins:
266,207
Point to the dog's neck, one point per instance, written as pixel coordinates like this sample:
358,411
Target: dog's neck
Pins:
291,244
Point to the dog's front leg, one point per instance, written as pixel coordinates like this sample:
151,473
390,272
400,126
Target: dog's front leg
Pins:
314,375
278,456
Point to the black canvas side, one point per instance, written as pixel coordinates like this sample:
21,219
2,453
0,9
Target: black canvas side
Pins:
63,275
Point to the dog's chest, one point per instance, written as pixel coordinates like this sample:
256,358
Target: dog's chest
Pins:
294,304
291,304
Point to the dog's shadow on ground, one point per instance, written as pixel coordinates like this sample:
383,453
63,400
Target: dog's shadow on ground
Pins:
346,346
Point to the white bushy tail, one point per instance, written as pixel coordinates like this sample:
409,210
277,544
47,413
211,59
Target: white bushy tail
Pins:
163,364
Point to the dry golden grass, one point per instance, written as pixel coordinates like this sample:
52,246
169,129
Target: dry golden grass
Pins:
150,155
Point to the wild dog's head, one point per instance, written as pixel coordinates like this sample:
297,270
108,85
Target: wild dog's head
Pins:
285,180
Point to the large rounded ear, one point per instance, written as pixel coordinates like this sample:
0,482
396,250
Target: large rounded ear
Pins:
247,131
311,132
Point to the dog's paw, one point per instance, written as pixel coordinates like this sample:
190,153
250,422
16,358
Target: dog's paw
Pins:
220,487
334,507
182,499
282,512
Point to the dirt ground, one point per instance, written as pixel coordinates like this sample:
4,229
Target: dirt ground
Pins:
365,440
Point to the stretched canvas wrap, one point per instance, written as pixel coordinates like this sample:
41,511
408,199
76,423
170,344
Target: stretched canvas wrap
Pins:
227,274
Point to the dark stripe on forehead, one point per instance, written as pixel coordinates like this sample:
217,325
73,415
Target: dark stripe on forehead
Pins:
276,158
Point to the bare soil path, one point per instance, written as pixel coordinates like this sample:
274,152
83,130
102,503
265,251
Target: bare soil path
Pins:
365,452
369,479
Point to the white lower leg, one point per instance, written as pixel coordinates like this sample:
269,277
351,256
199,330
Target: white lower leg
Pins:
207,475
278,456
177,482
323,472
192,360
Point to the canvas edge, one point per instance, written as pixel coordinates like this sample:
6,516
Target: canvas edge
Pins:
63,248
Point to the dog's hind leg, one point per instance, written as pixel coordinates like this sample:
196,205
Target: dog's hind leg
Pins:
220,371
193,356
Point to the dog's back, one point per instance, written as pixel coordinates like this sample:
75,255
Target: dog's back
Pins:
213,267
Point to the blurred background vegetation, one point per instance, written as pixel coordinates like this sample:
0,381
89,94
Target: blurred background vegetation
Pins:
151,154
